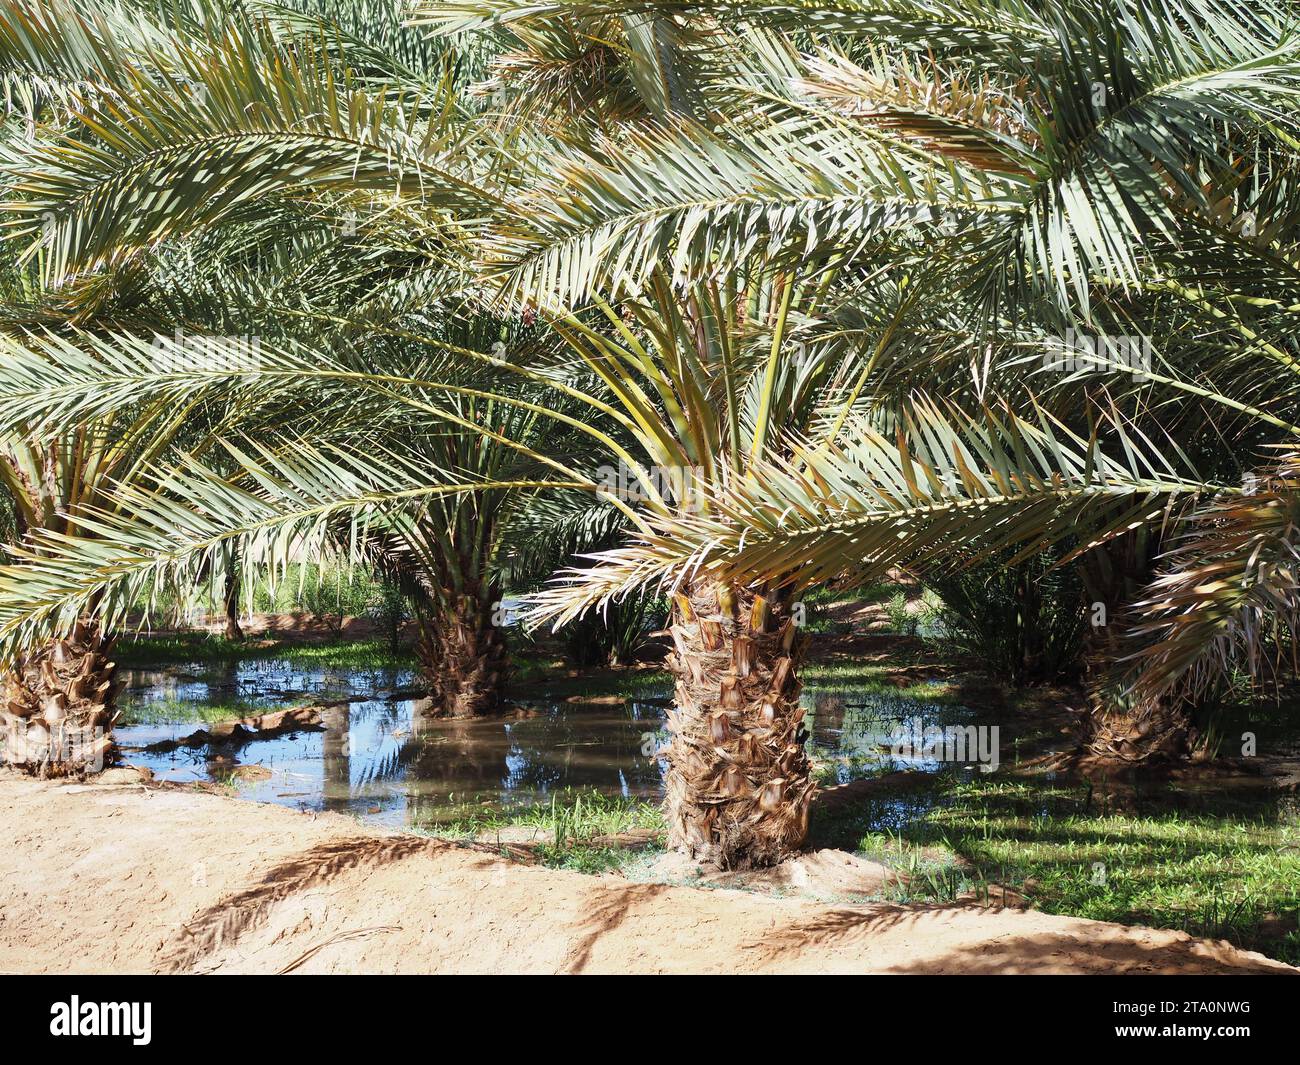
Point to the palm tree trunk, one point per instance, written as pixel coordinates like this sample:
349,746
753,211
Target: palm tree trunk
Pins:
60,706
1141,734
231,597
739,784
1121,730
463,657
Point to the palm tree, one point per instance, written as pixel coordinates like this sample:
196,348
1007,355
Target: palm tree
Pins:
450,549
1136,169
824,306
59,697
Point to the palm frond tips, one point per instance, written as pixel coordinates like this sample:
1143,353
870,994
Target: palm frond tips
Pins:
965,116
1228,597
296,503
1000,484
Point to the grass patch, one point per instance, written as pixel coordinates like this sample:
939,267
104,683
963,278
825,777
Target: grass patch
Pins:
548,674
1229,871
873,592
572,828
202,647
170,711
869,680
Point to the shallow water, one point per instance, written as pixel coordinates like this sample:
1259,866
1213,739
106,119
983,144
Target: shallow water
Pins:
379,758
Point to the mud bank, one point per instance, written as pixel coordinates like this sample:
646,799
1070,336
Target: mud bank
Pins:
98,878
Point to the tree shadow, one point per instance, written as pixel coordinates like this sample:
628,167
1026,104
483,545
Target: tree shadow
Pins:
225,922
1009,954
607,915
833,928
1046,953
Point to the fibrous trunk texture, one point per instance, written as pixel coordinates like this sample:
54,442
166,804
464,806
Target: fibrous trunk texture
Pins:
1147,733
739,784
231,602
463,658
59,706
233,629
1121,730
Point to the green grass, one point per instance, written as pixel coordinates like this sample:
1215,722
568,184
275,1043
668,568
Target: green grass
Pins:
1228,871
870,680
201,647
873,592
169,711
531,671
570,823
540,672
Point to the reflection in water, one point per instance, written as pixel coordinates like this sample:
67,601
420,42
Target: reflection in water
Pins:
856,732
456,765
383,758
336,749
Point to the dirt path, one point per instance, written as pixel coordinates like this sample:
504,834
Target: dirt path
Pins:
95,878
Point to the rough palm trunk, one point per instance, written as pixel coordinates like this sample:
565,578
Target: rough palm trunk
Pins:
60,706
463,658
1120,729
233,630
1140,734
739,784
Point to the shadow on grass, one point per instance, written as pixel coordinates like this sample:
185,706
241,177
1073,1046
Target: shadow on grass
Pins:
1221,868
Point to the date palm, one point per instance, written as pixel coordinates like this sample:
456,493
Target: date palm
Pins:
59,696
818,298
1096,173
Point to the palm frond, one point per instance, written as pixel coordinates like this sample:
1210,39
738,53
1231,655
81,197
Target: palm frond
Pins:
992,480
1228,597
169,529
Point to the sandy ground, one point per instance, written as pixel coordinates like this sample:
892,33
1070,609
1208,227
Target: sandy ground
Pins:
100,878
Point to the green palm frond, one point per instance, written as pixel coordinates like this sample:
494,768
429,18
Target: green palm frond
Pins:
376,41
63,48
696,201
295,503
979,25
992,480
1123,130
550,531
236,123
